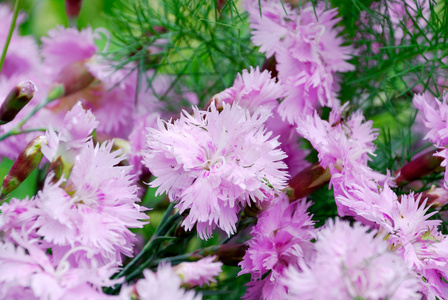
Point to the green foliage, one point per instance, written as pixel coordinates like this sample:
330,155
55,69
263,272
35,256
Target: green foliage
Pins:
203,46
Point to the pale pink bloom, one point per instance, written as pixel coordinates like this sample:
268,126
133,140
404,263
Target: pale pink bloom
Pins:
341,142
270,28
27,271
309,88
363,198
213,163
409,222
164,284
253,90
281,238
436,118
308,51
78,125
256,90
410,232
200,272
64,46
353,263
109,96
94,210
18,215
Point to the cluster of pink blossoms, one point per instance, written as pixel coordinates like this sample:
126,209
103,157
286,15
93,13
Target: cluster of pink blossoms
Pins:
238,153
308,50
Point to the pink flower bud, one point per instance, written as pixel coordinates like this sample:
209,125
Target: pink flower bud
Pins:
27,161
72,8
71,79
17,98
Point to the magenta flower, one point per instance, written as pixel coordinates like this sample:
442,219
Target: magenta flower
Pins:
353,263
213,163
281,238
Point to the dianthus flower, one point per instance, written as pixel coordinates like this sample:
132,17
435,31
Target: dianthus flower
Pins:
308,51
353,263
342,143
281,238
199,272
95,208
410,232
28,272
435,115
67,48
164,284
213,163
256,90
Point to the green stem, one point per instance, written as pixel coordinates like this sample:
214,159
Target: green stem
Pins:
11,30
149,244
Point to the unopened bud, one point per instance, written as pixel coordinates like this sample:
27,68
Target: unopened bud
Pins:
270,64
27,161
72,8
421,166
436,197
231,254
307,181
71,79
17,98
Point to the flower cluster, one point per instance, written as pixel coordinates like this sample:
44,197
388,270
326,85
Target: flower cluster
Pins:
308,51
103,138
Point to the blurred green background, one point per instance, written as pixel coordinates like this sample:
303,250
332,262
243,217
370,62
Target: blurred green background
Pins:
43,15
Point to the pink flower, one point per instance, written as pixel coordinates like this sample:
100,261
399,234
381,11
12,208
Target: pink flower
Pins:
281,238
256,90
78,125
343,144
308,51
110,96
252,90
436,118
64,46
164,284
213,163
94,209
200,272
353,263
28,271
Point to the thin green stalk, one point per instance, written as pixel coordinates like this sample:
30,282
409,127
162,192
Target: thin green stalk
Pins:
11,30
149,244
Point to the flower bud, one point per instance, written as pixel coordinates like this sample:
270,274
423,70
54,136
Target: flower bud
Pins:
308,181
17,98
421,166
71,79
27,161
72,8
